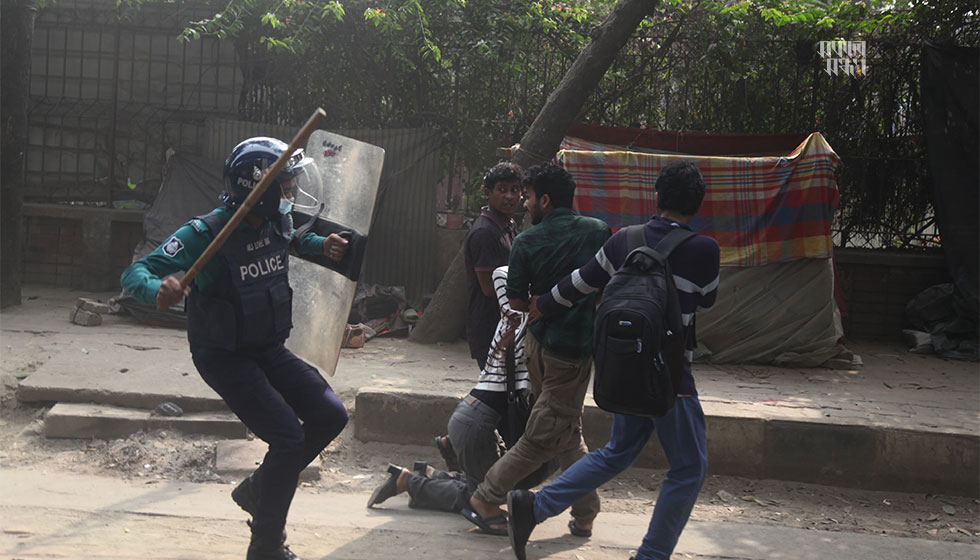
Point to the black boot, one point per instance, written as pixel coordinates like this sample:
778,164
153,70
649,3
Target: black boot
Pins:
246,494
264,548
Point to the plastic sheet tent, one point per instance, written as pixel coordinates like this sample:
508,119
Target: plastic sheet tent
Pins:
771,216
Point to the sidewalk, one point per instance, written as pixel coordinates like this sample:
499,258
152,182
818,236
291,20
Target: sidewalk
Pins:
902,421
47,515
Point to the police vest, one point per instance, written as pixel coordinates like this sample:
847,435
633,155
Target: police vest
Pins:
249,303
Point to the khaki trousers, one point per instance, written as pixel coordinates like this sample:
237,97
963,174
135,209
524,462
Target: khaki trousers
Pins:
554,429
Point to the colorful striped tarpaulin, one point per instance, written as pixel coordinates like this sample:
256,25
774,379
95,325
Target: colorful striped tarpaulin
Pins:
761,210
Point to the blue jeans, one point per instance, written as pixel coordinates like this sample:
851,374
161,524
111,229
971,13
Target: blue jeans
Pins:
681,434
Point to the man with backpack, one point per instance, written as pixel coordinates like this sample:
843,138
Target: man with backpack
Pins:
694,269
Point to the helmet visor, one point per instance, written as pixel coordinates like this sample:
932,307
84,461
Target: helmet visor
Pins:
301,182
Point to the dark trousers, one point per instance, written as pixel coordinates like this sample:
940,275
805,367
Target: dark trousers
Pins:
285,402
473,432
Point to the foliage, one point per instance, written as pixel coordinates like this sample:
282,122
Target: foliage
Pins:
480,71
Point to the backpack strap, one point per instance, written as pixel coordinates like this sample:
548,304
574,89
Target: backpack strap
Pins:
635,238
672,240
676,344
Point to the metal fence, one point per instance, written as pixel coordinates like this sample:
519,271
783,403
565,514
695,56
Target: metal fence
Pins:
112,90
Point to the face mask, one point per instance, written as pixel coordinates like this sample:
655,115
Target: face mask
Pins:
285,206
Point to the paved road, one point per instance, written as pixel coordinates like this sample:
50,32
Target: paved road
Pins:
64,515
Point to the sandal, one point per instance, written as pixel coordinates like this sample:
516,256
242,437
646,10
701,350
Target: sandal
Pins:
448,453
574,530
388,489
485,524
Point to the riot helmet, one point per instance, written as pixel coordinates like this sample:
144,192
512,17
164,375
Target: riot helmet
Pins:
245,165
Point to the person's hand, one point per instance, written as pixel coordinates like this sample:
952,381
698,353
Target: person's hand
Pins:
335,247
170,293
534,314
506,339
513,318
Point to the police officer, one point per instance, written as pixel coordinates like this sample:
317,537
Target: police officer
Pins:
238,317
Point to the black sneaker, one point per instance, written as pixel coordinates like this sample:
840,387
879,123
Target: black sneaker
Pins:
268,549
520,524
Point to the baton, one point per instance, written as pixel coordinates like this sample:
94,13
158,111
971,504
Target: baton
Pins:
252,198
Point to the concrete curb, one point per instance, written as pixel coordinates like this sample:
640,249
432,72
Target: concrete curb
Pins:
77,420
28,393
868,457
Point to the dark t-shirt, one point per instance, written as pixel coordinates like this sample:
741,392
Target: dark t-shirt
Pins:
486,247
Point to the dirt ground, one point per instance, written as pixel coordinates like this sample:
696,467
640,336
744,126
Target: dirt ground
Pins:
352,466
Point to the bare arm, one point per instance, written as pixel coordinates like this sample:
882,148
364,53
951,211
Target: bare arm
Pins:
485,278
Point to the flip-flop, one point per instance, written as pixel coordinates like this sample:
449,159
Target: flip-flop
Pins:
574,530
388,489
485,524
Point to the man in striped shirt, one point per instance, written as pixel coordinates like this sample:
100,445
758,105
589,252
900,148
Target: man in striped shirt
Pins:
473,425
695,267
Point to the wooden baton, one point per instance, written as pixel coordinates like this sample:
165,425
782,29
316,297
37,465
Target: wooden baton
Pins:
252,198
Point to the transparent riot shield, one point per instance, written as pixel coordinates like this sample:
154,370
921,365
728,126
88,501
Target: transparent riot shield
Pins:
335,194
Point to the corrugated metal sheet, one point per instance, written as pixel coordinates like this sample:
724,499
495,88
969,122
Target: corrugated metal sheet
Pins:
401,245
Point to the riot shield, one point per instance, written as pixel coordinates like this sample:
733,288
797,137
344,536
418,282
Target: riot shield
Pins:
335,194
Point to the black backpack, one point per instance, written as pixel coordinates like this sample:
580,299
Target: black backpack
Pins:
639,342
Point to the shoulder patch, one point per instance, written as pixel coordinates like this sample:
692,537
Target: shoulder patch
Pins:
198,226
173,246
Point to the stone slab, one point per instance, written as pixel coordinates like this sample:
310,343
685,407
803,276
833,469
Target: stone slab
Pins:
83,420
131,372
236,459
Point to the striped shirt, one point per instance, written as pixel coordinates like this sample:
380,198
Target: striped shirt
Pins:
694,265
491,387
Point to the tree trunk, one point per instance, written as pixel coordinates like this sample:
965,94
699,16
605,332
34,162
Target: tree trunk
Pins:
445,316
541,141
16,29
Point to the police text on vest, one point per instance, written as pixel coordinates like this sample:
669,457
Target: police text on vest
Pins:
262,268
